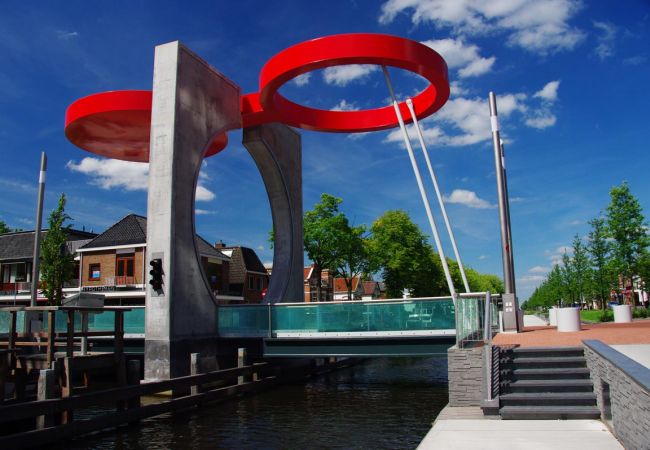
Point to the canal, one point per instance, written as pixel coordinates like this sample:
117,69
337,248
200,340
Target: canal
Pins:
383,403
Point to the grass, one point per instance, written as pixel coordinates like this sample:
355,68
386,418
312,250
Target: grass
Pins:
591,315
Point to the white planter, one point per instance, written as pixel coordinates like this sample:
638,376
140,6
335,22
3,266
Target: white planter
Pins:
622,313
552,316
568,319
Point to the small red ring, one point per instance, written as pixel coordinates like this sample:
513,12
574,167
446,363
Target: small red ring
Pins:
343,49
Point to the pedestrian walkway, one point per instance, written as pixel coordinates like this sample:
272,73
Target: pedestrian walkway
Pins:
636,332
466,428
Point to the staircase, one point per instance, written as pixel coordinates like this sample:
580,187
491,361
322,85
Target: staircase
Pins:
546,383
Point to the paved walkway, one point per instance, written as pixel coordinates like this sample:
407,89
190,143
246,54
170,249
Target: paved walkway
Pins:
451,431
637,332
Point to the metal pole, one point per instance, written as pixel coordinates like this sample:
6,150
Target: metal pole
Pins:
37,231
509,227
418,178
409,103
510,307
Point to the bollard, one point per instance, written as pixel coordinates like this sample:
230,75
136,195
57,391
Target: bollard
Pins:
241,362
46,390
195,369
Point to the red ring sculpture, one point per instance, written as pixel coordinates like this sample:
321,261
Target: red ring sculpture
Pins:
117,124
343,49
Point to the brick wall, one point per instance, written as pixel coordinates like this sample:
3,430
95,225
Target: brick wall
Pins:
465,374
629,393
106,260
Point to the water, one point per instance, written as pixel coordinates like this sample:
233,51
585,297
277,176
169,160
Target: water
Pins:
378,404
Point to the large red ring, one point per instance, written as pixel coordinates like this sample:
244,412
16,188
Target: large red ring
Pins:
342,49
117,124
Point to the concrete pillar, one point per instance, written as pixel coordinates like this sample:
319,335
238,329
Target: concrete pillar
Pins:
192,103
276,149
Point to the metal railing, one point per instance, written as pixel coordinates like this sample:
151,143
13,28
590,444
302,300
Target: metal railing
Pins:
476,318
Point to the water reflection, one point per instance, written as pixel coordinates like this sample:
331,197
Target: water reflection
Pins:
379,404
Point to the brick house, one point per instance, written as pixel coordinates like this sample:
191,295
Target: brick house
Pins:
248,276
341,289
16,254
310,283
115,264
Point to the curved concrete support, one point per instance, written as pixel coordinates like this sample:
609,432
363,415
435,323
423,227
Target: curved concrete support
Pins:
192,103
276,150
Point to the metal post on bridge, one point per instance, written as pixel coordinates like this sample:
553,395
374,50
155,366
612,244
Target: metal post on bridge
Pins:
510,304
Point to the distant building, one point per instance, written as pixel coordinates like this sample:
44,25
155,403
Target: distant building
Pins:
310,283
248,276
16,254
341,289
371,290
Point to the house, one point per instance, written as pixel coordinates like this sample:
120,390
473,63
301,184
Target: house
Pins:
248,276
16,255
310,283
114,263
341,289
371,290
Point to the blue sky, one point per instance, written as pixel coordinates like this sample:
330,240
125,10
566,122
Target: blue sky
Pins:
571,79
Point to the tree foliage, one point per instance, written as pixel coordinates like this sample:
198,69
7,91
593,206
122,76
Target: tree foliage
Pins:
57,266
4,228
354,255
599,250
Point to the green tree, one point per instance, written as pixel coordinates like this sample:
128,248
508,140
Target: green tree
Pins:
399,249
354,257
4,228
57,267
599,250
325,229
627,227
581,267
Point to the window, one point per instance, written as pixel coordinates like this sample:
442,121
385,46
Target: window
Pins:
124,266
94,272
251,283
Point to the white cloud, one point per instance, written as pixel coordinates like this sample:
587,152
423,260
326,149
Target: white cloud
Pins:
457,89
539,26
482,257
345,106
542,121
66,35
460,56
130,176
555,256
467,198
539,269
260,247
605,47
635,60
531,279
549,91
576,222
204,212
302,80
343,75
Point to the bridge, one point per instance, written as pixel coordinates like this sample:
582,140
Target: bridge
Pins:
393,327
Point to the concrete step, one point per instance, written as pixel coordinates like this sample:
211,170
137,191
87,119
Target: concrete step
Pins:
542,362
548,399
550,373
549,412
534,352
560,385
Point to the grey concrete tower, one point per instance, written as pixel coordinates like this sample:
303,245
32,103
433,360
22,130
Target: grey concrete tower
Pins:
192,103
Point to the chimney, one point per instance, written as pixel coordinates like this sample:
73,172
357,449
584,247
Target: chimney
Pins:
219,244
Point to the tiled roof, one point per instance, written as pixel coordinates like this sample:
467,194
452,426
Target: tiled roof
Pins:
20,245
243,260
132,230
369,287
340,286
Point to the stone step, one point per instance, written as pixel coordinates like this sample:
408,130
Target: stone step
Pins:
549,412
561,385
548,399
544,352
549,373
541,362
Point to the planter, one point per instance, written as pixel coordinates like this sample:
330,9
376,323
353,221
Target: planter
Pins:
552,316
568,319
622,313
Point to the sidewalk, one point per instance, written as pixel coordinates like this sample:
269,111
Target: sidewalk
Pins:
466,428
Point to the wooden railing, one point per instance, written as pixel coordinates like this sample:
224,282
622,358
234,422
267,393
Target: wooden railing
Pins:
187,391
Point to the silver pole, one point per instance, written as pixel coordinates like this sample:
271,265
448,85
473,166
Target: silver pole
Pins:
510,307
37,231
509,227
409,103
418,178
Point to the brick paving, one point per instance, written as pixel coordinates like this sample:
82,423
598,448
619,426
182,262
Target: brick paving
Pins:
637,332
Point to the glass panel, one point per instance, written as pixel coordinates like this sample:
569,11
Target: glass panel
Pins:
5,322
120,267
129,267
61,321
244,320
105,321
367,316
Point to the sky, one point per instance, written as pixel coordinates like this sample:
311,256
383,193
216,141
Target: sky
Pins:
571,79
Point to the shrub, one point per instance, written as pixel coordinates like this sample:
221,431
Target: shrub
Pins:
640,313
607,316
